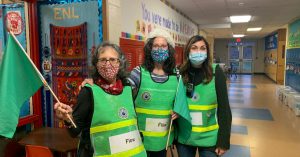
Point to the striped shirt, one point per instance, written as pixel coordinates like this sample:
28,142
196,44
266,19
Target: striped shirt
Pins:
135,78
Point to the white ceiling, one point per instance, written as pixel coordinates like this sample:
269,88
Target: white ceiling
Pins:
268,14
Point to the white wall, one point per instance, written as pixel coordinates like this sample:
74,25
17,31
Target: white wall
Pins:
114,20
221,49
127,15
211,41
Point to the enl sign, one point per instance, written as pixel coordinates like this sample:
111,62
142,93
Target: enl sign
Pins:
65,13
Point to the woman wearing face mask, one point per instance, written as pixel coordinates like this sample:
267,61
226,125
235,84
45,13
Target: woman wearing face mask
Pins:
154,84
104,113
208,103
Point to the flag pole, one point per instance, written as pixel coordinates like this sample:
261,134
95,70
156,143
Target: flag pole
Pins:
169,134
40,75
171,117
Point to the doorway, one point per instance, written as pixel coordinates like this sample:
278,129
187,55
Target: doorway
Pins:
241,57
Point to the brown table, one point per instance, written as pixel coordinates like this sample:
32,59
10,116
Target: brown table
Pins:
57,139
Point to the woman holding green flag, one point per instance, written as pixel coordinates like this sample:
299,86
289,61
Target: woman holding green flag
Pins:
104,113
208,103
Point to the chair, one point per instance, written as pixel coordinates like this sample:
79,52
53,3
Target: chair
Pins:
37,151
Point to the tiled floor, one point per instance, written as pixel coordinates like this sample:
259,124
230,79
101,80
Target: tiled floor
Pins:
261,126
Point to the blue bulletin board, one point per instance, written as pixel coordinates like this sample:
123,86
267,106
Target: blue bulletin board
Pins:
292,77
271,41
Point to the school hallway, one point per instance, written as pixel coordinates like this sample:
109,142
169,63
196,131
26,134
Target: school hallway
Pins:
262,126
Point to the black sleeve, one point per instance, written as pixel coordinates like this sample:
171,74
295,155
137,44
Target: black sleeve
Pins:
82,113
224,111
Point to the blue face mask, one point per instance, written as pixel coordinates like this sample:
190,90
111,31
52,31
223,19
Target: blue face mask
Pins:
160,55
198,58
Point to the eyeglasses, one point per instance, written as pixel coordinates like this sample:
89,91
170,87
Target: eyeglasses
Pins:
156,47
112,61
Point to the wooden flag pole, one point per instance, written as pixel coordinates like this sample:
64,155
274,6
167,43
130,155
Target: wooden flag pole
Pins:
169,134
40,75
171,117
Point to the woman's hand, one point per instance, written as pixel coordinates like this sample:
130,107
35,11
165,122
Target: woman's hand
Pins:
174,115
86,81
62,111
220,151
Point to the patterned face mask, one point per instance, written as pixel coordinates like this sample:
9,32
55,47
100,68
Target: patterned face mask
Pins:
160,55
108,72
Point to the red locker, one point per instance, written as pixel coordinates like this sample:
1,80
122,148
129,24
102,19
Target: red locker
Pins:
133,50
179,55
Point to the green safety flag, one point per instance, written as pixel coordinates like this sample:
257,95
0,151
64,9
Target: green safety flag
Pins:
18,82
181,108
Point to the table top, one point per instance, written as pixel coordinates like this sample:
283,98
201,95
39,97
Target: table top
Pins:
57,139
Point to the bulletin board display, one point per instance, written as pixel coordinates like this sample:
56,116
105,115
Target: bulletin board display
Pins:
69,35
271,41
292,77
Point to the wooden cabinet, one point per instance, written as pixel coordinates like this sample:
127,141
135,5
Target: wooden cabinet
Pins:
281,56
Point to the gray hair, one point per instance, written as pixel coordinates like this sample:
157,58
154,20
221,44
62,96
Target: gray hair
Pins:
122,74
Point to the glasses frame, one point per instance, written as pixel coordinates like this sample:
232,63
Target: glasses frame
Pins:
112,61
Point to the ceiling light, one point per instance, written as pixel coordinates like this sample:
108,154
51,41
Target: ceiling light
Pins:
238,35
240,19
223,25
253,29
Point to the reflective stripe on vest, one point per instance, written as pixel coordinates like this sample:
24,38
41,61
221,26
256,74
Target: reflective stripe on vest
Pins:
202,107
153,112
113,126
205,129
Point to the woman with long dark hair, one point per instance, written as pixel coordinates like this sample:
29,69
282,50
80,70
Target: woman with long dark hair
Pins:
208,103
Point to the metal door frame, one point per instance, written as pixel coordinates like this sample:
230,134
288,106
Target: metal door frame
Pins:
241,60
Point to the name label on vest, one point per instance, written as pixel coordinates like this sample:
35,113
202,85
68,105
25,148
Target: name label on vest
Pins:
124,142
196,118
157,124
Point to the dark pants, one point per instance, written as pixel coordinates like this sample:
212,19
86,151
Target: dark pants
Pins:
85,150
190,151
162,153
